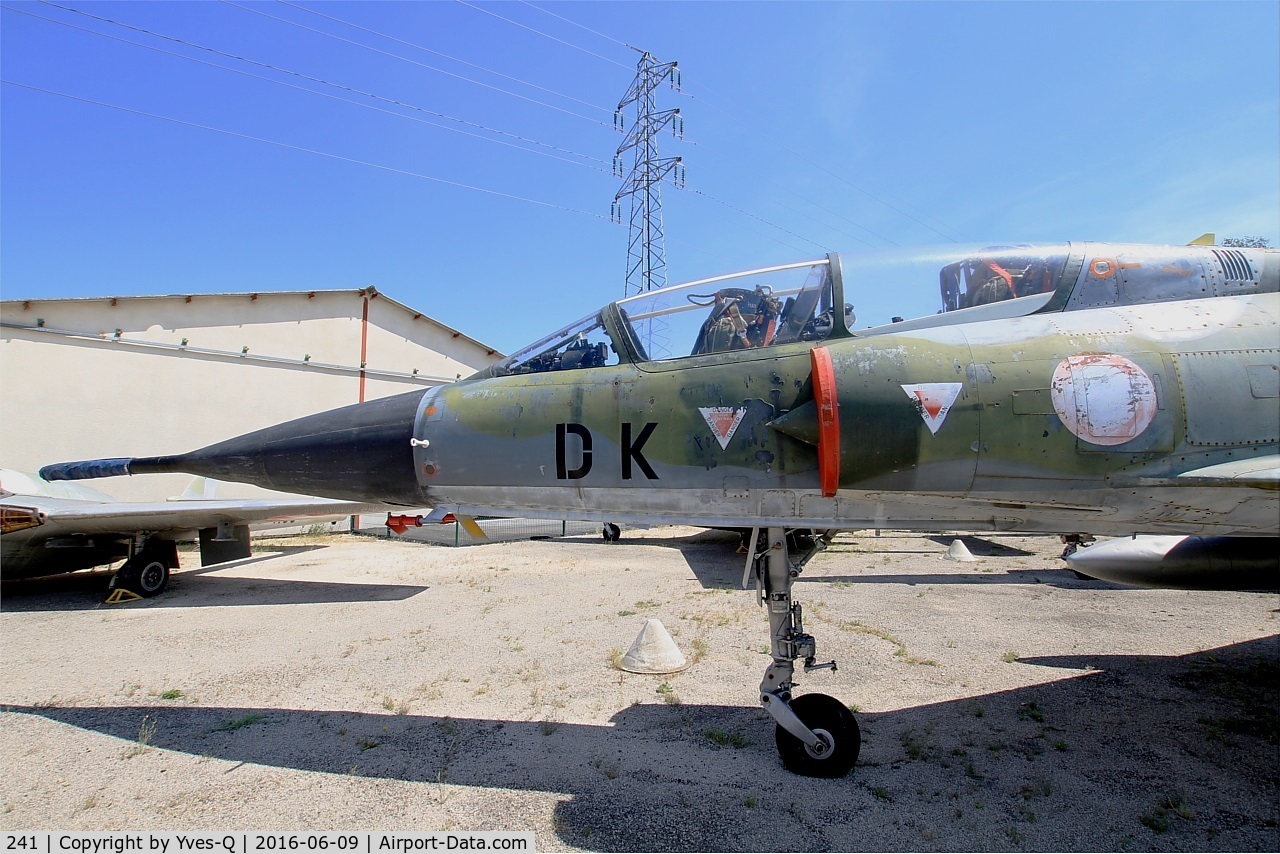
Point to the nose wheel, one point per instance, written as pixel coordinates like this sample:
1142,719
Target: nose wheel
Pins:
837,730
817,735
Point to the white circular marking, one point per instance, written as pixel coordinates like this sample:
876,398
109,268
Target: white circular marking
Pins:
1103,398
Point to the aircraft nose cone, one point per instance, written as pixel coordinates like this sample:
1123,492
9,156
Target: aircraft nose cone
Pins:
358,453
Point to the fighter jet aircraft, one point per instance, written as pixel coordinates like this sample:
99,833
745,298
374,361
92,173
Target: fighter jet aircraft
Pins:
1072,389
52,528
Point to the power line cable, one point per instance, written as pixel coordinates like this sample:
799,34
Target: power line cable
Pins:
729,263
841,178
576,24
448,57
311,79
415,62
865,192
686,189
310,151
544,35
758,218
693,191
757,173
761,176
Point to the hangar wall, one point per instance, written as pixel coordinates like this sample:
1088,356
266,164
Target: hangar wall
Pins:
140,376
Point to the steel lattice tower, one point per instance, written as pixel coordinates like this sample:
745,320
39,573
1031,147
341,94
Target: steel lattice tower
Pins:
646,257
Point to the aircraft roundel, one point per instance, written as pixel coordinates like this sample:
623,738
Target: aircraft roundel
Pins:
1104,399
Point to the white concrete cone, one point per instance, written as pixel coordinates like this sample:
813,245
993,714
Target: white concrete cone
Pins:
653,651
959,551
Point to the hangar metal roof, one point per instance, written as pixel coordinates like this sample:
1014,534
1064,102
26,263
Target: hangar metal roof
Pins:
369,291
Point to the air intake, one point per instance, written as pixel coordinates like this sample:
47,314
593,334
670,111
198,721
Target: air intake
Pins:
1235,266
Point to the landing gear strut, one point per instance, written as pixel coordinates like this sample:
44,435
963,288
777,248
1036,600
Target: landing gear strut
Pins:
817,735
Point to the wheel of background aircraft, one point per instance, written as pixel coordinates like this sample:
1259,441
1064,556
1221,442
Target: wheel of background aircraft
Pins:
145,574
833,722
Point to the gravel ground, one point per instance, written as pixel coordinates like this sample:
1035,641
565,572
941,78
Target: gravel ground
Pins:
350,683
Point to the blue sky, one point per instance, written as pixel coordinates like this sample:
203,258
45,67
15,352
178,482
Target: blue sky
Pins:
809,127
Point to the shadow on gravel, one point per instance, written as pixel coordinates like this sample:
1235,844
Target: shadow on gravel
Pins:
1052,577
713,559
198,587
981,547
1143,752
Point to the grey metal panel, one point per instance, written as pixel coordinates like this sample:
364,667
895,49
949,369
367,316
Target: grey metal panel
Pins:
1176,278
778,503
1264,380
736,487
1097,287
816,506
1219,400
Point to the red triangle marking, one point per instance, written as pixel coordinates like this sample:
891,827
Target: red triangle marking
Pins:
721,422
931,404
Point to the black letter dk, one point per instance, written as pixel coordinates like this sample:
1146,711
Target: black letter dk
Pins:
631,450
562,451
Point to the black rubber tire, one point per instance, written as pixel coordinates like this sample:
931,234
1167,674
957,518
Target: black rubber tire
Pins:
830,718
144,574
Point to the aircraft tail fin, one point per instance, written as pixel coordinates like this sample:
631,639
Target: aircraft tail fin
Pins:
1206,239
200,489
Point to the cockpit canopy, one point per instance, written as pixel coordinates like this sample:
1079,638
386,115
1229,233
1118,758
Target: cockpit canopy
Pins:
795,304
763,308
745,311
998,273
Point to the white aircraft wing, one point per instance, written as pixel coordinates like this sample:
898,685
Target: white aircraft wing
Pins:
47,528
69,516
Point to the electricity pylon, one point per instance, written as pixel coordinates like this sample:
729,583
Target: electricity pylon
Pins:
646,257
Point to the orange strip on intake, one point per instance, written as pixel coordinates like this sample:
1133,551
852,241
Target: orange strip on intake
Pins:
824,395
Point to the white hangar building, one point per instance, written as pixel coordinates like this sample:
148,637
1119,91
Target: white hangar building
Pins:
140,376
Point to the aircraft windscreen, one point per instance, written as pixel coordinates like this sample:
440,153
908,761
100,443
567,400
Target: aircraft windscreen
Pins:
779,305
583,344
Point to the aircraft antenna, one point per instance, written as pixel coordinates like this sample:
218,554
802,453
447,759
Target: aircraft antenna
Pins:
646,257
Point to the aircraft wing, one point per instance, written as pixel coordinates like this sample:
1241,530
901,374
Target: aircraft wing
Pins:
1262,472
69,516
1257,472
50,528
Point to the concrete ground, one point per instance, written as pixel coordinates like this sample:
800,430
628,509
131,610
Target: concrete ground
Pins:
342,682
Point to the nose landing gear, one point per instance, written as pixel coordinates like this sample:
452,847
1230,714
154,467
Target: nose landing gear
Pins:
816,735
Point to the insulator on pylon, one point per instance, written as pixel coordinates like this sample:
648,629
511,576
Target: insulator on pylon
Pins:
619,123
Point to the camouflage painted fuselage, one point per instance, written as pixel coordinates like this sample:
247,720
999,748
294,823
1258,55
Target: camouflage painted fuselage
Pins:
1079,388
1104,420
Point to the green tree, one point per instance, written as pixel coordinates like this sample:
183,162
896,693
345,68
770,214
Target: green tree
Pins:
1246,242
